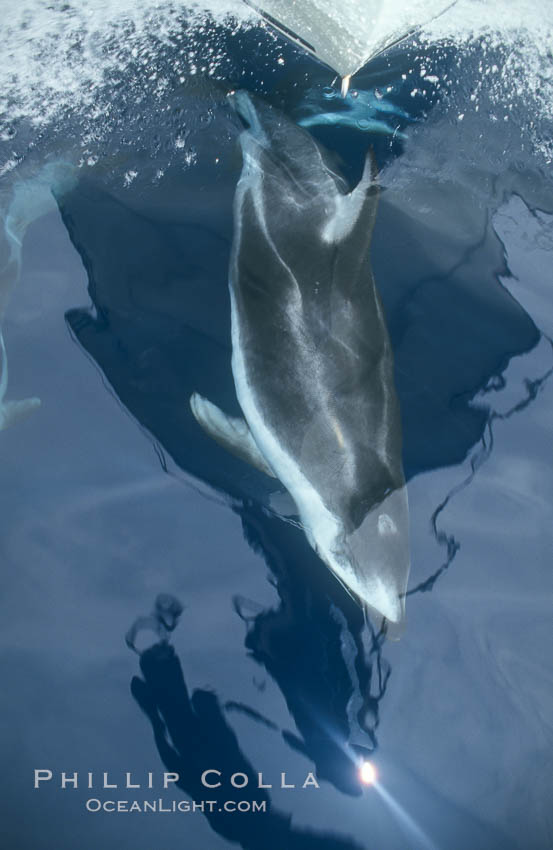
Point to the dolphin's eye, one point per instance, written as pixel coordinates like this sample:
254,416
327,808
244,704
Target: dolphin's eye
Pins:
386,525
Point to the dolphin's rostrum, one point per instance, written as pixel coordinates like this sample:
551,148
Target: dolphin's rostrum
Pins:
311,356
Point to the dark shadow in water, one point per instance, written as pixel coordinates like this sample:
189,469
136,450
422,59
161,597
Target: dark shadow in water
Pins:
159,329
191,731
192,734
312,644
156,344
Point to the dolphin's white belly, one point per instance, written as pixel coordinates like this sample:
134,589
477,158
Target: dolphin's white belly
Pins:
324,530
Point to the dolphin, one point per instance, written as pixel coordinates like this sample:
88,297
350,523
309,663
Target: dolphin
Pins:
311,357
358,110
351,122
27,200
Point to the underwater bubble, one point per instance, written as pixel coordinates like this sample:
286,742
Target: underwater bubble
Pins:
329,92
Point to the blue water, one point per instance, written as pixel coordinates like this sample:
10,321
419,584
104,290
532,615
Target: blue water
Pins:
112,494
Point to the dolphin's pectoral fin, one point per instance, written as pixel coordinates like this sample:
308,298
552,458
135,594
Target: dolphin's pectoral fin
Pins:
12,411
230,432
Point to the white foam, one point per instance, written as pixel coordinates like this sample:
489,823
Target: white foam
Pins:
512,41
60,55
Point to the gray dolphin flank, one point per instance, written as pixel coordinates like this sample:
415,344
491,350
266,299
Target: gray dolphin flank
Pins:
311,356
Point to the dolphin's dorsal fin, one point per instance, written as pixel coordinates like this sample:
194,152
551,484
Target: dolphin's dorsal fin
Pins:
231,432
13,411
357,206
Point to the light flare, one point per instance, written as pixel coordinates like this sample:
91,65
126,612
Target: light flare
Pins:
367,773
